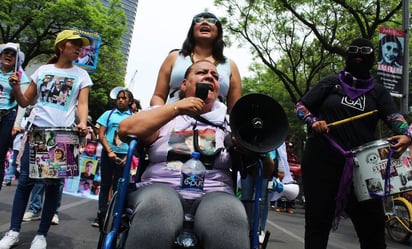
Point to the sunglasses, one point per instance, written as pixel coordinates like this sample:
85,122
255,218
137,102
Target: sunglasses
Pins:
211,20
362,50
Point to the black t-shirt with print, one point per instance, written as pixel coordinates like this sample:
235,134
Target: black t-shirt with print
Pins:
328,102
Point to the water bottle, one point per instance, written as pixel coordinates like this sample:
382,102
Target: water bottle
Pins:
187,238
193,174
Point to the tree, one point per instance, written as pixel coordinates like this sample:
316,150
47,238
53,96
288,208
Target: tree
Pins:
300,42
35,25
308,37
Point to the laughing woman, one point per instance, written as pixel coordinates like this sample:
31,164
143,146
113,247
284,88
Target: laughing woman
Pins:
10,57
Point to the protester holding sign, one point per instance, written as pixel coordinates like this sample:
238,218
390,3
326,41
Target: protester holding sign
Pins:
45,114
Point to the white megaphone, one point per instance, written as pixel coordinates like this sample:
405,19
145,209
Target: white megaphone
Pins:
115,91
288,190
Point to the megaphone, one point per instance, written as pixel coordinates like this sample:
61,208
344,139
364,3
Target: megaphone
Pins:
289,190
115,91
258,123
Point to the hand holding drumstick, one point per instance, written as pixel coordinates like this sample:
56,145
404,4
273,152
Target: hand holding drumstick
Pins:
321,125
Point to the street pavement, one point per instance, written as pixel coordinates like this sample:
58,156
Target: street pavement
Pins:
76,214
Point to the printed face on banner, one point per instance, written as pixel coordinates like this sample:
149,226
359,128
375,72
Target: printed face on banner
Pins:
88,169
89,54
390,59
53,152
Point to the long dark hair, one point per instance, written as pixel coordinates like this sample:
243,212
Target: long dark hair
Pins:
218,44
129,94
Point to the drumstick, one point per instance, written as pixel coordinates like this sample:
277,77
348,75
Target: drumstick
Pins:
352,118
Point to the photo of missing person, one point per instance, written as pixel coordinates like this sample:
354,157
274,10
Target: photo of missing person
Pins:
88,169
88,57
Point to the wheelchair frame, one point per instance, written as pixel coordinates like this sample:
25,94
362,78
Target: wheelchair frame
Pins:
114,232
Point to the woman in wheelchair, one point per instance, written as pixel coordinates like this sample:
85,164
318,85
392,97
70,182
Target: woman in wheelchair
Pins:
170,131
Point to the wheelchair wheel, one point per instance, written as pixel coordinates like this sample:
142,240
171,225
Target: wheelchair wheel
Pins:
121,233
399,225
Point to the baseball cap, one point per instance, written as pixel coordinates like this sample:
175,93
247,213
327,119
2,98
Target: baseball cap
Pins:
10,45
71,35
15,47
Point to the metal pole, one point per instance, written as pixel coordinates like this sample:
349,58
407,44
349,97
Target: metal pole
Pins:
405,86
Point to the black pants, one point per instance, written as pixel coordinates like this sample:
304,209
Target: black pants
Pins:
321,177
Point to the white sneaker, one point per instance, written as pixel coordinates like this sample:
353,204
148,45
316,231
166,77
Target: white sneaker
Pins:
39,242
29,216
262,237
10,239
55,220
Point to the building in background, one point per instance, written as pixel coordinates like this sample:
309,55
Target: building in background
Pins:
129,7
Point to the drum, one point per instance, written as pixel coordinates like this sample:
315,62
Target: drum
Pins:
369,172
53,152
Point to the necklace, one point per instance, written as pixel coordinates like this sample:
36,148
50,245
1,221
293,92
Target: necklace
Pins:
192,55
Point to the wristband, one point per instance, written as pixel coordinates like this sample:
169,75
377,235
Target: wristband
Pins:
176,109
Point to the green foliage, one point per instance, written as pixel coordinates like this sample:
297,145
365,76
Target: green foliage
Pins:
298,42
35,24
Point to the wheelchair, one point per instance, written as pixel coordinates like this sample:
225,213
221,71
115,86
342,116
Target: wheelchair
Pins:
257,122
114,231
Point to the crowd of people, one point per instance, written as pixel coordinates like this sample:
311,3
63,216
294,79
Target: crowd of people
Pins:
179,118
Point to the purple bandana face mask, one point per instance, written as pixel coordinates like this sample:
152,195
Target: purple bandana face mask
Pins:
354,87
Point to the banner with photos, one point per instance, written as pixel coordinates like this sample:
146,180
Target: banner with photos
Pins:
53,152
89,55
87,183
390,59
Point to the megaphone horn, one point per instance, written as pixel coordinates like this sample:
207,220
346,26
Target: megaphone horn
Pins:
288,190
115,91
258,123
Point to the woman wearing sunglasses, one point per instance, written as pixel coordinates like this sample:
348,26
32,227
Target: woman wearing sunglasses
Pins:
336,97
204,41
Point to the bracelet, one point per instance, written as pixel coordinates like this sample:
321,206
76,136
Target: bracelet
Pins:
176,109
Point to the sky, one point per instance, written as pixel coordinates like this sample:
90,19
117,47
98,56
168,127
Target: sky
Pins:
161,26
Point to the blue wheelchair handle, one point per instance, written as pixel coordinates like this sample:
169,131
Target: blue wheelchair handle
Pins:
258,194
121,194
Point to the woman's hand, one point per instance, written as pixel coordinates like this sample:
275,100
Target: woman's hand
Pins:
16,130
320,126
189,106
14,79
399,144
82,129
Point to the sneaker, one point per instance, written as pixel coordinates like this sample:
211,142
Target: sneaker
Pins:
39,242
262,237
10,239
55,220
95,223
278,209
29,216
7,182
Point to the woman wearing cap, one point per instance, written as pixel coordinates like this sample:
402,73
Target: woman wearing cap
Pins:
67,46
11,60
204,41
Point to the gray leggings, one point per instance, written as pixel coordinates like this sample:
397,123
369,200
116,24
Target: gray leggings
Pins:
220,219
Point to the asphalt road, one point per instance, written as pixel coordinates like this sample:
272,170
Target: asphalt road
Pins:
76,214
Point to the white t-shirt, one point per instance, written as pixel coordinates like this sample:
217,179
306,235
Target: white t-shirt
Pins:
57,98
